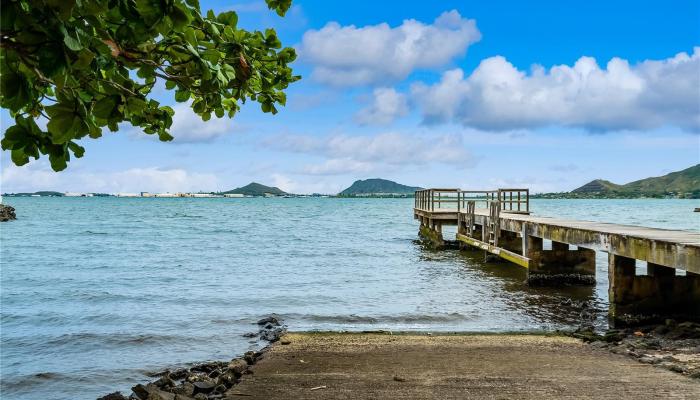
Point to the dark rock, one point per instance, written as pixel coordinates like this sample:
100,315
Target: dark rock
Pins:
200,396
238,366
250,357
185,389
206,367
650,343
250,335
220,389
179,374
272,335
164,382
151,392
269,320
7,213
613,336
214,373
114,396
203,387
227,379
685,330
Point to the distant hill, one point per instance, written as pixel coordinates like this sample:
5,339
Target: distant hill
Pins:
376,187
256,189
40,193
598,185
684,184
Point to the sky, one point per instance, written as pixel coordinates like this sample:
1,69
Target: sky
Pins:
546,95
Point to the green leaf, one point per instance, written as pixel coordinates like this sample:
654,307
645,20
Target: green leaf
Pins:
71,42
211,55
78,150
64,126
182,95
106,107
19,157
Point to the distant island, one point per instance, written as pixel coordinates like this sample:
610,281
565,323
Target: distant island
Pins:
378,188
257,190
683,184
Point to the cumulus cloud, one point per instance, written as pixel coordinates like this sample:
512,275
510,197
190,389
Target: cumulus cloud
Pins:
340,166
387,105
351,154
38,176
498,96
350,55
188,127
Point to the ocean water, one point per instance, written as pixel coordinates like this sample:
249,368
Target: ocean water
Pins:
96,292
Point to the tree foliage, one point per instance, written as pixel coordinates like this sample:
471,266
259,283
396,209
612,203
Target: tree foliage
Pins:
84,65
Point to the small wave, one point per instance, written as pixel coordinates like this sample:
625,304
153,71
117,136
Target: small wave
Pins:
86,339
95,233
183,215
25,382
382,319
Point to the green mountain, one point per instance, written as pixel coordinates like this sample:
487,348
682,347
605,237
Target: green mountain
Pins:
598,185
256,189
377,187
685,183
40,193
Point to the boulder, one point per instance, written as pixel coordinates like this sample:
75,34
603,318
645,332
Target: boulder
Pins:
203,387
151,392
272,335
7,213
114,396
238,366
269,320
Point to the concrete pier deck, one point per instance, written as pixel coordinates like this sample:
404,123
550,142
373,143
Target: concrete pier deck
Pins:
671,248
410,366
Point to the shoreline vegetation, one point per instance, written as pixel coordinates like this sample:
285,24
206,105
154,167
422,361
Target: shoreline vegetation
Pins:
362,364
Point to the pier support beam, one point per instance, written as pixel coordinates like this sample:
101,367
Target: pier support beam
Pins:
510,241
659,294
431,233
559,265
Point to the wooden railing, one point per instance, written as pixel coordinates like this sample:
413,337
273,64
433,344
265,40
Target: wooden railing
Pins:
511,200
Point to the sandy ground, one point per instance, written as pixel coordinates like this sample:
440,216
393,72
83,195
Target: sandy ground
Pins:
403,366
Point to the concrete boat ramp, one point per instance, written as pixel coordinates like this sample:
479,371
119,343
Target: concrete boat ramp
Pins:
384,366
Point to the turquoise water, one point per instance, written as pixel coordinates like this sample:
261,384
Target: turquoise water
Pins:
97,291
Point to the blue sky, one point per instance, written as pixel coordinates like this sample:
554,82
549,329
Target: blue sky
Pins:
547,95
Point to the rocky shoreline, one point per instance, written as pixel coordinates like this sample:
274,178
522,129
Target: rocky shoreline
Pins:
209,380
7,213
673,345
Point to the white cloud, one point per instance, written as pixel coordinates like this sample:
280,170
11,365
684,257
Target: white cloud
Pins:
348,55
387,105
340,166
352,154
188,127
497,96
38,176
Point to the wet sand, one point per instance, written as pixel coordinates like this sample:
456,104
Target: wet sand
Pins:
478,366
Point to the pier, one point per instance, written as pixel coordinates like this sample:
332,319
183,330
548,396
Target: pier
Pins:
500,223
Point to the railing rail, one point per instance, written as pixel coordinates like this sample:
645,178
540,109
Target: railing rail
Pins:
512,200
